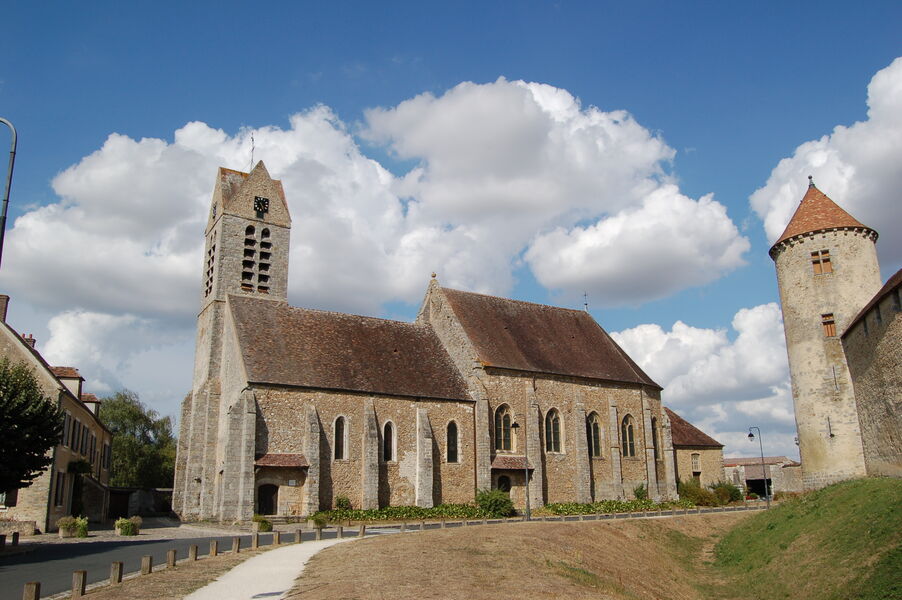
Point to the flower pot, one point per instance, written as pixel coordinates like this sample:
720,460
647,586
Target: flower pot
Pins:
66,533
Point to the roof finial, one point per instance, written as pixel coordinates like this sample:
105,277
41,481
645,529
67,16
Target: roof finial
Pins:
586,301
810,181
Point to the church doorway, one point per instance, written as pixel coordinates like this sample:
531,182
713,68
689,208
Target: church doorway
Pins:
504,484
267,499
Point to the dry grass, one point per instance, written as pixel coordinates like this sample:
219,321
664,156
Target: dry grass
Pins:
174,584
632,559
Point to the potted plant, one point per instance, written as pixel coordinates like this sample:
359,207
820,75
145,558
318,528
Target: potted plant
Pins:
70,526
261,523
130,526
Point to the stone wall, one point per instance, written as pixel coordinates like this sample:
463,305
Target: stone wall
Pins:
873,349
826,417
710,461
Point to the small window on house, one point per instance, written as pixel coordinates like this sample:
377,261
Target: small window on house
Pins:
66,424
829,324
593,435
92,447
451,441
9,498
107,457
553,431
339,438
59,491
696,462
654,436
820,262
626,436
388,442
503,428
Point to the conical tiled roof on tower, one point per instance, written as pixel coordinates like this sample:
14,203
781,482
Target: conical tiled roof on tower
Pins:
817,212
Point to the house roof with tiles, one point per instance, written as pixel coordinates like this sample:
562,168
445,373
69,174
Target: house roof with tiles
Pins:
685,433
817,212
523,336
299,347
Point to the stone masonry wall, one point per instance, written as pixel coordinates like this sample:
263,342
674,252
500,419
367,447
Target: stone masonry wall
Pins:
710,461
826,417
874,353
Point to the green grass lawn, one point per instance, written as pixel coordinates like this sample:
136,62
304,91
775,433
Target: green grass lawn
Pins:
844,541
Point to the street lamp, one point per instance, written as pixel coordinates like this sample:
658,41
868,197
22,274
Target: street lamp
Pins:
9,179
516,426
763,469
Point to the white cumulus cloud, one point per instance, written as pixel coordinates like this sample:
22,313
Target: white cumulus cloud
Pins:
857,166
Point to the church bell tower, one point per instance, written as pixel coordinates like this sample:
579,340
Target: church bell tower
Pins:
827,271
245,253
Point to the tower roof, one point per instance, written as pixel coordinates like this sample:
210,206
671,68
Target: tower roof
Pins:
235,192
817,212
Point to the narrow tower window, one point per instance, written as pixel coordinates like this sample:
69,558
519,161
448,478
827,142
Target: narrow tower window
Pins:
452,442
829,324
503,428
388,442
593,435
654,436
340,438
820,261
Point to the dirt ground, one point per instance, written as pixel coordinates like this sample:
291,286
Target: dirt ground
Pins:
657,559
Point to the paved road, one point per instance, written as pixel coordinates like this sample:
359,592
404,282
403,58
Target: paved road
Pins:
52,564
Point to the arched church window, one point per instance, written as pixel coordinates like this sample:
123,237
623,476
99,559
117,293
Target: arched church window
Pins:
388,442
339,438
593,435
503,428
553,431
264,235
249,231
626,436
451,441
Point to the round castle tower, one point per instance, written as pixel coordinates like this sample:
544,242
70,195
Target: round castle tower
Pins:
827,271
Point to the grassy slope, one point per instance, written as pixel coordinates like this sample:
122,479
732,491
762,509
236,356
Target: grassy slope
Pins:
844,541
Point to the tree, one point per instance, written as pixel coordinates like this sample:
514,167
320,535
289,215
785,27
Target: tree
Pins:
31,425
143,445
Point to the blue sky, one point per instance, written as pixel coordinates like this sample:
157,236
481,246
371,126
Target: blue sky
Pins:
729,90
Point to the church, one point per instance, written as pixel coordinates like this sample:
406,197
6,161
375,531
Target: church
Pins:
292,408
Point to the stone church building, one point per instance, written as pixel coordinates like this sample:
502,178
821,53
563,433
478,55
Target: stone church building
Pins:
844,341
292,407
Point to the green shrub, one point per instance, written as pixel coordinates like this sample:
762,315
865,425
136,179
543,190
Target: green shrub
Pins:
129,526
640,493
494,503
343,503
81,526
320,520
265,524
691,490
752,496
727,491
67,524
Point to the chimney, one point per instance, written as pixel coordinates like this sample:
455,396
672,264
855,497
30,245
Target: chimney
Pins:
4,304
29,339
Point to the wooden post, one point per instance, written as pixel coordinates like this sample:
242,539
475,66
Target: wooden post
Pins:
297,537
422,525
115,573
339,531
236,545
146,564
79,579
192,553
170,558
276,538
443,524
32,591
255,541
319,533
362,531
403,526
2,541
15,538
214,547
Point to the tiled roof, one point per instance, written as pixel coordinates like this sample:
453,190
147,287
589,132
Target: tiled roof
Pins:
89,398
768,460
505,461
523,336
892,283
282,345
66,372
295,461
817,212
685,433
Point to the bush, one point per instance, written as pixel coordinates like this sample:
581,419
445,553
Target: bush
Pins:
67,524
640,493
265,524
727,491
752,496
343,503
130,526
494,503
691,490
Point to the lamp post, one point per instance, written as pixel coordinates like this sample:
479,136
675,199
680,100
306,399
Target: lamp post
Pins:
763,468
9,179
516,426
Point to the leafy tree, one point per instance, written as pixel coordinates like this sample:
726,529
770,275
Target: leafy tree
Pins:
143,445
31,425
